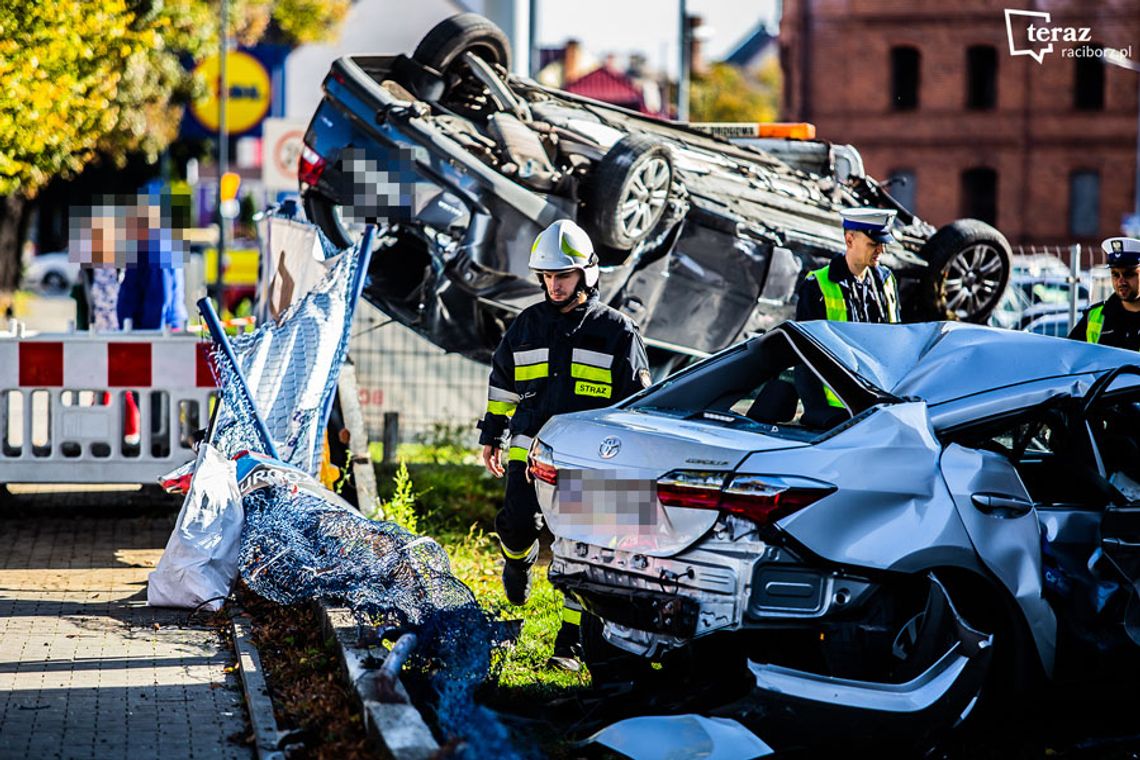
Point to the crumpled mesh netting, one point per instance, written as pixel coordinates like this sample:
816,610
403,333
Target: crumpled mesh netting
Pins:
289,366
297,546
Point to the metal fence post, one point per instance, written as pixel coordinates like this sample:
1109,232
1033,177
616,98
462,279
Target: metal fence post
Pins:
1074,283
391,436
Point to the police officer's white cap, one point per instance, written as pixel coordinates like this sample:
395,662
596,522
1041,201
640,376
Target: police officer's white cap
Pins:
875,222
1121,251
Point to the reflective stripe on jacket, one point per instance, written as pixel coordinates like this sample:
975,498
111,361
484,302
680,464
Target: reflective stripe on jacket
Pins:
1095,324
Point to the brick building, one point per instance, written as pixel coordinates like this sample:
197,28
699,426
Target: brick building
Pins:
931,92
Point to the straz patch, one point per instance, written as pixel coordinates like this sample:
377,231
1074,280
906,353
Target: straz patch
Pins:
583,388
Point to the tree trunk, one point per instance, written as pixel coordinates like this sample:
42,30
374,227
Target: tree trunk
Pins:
14,213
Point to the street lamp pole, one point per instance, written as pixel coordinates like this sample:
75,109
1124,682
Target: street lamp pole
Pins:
223,146
683,73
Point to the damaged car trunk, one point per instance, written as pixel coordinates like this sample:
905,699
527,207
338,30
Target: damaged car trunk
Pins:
847,532
702,241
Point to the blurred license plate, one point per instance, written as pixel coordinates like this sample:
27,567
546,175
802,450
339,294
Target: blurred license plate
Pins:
604,499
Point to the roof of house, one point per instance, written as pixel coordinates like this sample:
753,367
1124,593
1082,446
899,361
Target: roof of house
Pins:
751,47
609,86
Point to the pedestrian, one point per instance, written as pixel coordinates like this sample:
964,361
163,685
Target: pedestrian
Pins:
101,278
152,293
1116,320
854,286
567,354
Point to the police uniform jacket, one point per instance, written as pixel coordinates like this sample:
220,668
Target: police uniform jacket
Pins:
1109,324
877,303
552,363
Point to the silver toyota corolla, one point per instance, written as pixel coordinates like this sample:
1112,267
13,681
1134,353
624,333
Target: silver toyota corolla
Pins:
884,522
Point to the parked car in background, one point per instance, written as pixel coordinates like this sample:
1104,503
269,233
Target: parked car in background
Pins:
701,241
958,524
1032,296
1055,324
51,273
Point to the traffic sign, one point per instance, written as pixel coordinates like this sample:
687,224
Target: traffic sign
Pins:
282,141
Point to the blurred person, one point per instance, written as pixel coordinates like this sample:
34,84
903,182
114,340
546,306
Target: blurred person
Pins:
1116,320
102,277
569,353
153,291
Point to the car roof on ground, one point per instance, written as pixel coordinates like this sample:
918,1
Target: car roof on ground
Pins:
944,361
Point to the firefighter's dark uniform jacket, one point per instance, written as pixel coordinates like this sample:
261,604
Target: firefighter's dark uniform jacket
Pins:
832,292
1109,324
552,363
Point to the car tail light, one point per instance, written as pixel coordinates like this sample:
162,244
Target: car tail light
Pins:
540,462
310,166
691,488
761,498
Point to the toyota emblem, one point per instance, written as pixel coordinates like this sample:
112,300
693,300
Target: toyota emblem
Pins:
610,447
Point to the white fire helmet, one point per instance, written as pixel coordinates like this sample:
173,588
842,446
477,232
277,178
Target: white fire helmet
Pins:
564,245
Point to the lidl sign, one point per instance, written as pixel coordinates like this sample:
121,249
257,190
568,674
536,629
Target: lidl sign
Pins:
248,87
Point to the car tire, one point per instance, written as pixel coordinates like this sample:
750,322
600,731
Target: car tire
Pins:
448,40
54,282
629,191
970,264
322,212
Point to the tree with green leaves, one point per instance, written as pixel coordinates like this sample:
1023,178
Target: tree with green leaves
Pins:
102,80
725,93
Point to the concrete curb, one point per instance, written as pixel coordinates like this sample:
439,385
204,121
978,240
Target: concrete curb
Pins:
267,738
397,727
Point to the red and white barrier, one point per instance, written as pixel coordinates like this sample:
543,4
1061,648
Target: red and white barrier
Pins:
100,408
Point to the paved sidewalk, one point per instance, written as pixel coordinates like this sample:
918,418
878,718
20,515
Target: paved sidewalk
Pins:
87,670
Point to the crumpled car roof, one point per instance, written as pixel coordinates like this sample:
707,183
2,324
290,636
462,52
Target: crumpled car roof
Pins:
944,361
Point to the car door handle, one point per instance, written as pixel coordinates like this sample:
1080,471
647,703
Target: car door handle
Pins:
997,505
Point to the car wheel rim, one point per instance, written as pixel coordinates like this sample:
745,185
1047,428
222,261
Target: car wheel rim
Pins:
644,198
973,279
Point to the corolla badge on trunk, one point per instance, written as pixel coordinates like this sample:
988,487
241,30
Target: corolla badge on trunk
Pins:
611,445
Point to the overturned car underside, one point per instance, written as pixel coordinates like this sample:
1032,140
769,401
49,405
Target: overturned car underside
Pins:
702,241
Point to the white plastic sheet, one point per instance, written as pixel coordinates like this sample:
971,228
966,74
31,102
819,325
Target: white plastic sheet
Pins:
201,558
672,737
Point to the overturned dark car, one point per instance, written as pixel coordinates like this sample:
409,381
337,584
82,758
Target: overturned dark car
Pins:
702,241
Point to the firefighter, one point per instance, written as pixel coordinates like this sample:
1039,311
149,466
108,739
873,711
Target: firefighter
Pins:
854,287
567,354
1116,321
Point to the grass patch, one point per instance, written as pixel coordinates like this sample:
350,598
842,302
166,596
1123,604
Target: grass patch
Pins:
456,505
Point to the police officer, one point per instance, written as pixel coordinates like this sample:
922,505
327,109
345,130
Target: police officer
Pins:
567,354
854,287
1116,321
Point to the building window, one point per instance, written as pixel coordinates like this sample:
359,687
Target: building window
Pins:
979,194
905,64
981,77
1088,83
901,184
1084,204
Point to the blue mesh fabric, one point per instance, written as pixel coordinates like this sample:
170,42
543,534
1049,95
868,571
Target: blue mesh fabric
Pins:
299,545
291,368
296,546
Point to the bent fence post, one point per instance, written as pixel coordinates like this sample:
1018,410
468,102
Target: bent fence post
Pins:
214,325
